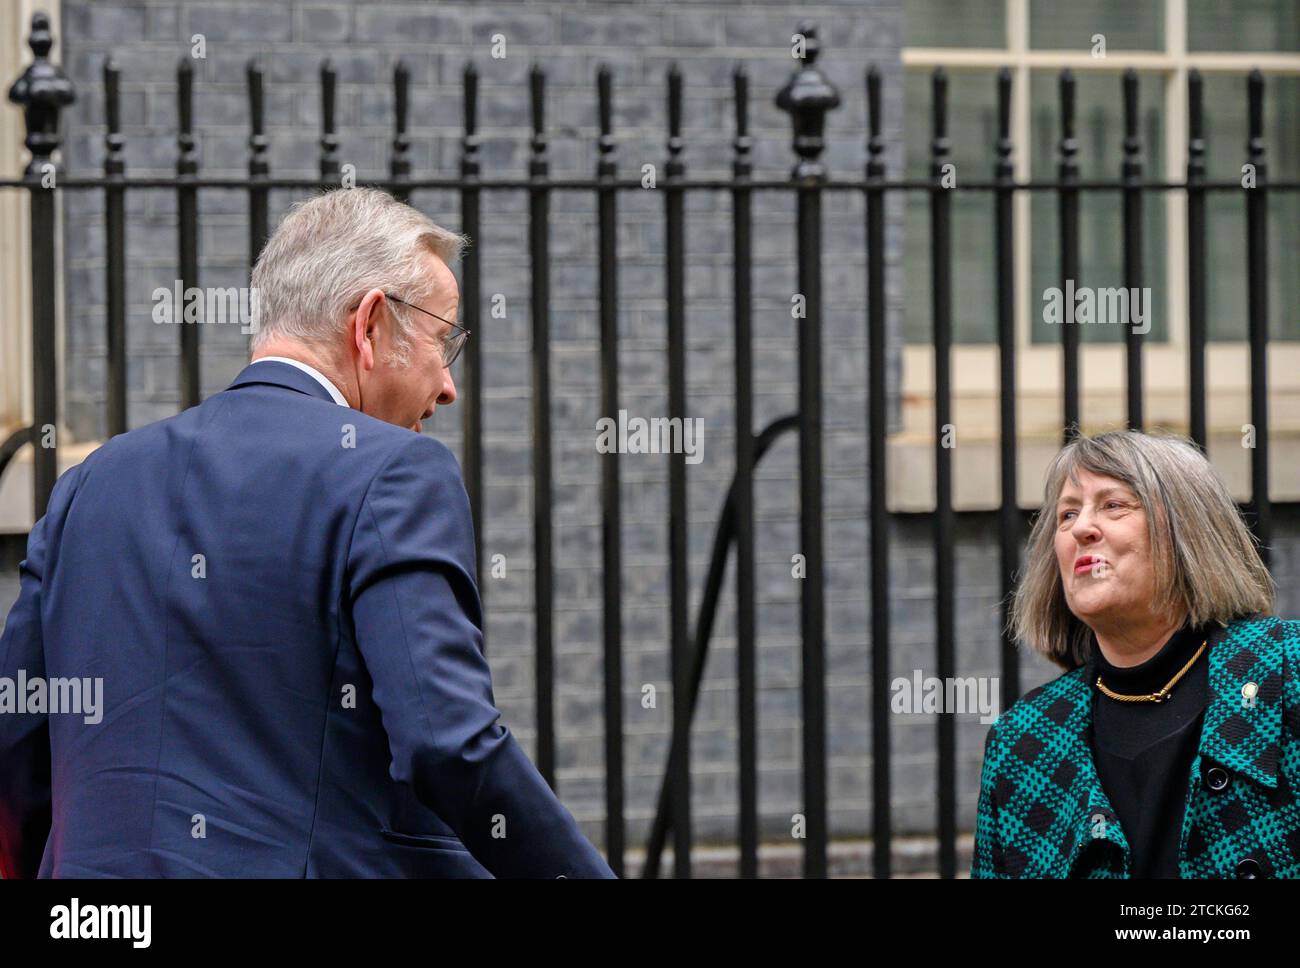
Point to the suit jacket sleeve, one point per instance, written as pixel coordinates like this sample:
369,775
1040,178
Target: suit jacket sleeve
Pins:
25,737
417,617
983,862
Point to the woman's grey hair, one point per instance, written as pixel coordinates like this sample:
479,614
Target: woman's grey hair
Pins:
330,250
1204,560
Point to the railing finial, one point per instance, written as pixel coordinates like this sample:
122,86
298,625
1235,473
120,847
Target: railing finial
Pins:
43,90
807,96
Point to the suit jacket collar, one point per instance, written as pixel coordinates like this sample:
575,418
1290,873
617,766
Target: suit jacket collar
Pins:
275,373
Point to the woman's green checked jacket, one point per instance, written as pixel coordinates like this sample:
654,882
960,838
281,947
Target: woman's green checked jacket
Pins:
1042,811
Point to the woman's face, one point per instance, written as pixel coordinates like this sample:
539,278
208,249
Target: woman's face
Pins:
1103,552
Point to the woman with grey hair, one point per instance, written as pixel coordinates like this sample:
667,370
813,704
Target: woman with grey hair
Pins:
1170,746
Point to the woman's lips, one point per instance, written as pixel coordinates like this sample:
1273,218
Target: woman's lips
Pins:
1089,565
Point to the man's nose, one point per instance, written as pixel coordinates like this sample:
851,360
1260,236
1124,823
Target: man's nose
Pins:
448,394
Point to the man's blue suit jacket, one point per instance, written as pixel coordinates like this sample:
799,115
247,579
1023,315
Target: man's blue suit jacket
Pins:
309,698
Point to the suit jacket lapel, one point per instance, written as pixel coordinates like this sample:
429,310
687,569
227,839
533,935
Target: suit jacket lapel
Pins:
1094,817
1243,720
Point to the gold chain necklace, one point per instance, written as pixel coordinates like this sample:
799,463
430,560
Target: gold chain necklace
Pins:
1164,694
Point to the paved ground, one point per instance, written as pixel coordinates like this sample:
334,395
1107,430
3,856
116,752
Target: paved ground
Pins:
912,857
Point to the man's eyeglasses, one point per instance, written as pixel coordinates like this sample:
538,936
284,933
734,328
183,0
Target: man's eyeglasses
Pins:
453,343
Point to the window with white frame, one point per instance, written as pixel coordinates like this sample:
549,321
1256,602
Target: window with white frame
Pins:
1098,40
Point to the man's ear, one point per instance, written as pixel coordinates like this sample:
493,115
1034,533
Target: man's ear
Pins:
364,323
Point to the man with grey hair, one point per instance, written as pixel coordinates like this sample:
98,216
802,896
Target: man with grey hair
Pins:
278,589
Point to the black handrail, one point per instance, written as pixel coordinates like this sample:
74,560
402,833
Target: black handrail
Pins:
13,443
723,539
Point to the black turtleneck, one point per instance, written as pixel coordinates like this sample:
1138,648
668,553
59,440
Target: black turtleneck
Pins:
1144,750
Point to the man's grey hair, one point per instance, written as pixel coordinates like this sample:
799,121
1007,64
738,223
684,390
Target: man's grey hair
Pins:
1203,557
330,250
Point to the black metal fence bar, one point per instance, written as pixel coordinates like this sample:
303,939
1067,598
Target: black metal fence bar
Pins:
877,433
678,546
330,169
610,502
399,160
807,97
43,92
187,213
812,601
259,166
1009,518
1068,226
45,404
539,240
1196,261
944,526
115,241
471,299
746,618
1131,172
1257,310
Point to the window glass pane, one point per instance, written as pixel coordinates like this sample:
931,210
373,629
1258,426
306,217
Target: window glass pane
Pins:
955,23
1099,113
972,134
1125,24
1226,120
1262,25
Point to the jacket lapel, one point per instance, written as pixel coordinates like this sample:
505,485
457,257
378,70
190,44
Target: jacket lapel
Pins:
1094,817
1243,719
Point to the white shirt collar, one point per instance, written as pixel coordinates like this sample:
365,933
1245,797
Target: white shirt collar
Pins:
311,371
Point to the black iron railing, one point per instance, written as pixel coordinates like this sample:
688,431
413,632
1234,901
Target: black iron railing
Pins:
43,91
